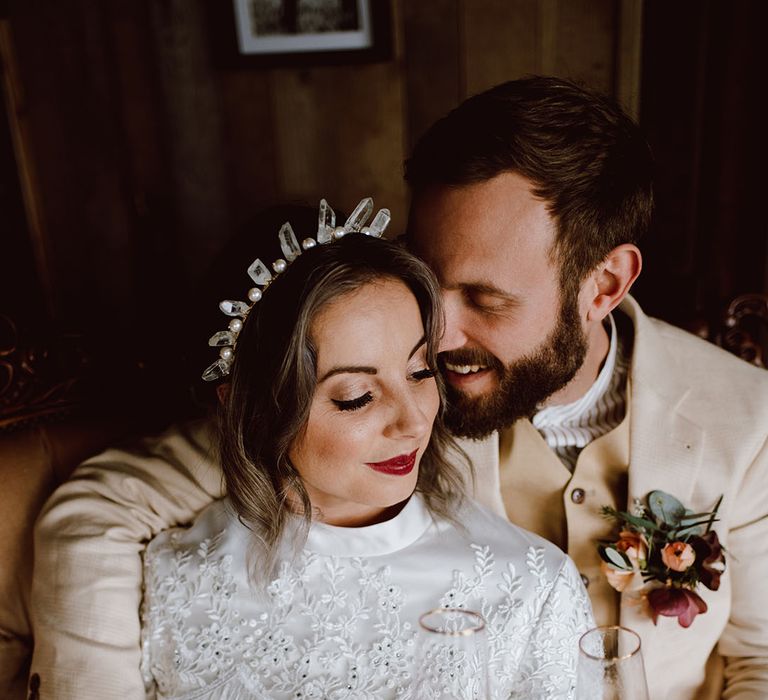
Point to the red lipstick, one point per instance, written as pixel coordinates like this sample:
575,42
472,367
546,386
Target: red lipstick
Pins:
399,466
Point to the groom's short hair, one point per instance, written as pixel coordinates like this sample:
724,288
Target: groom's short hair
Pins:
585,157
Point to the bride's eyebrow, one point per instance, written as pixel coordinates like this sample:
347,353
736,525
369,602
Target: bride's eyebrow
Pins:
416,347
347,369
363,369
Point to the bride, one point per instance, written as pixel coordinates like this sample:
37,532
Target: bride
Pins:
345,519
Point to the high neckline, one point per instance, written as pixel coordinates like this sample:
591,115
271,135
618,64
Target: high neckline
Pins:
372,540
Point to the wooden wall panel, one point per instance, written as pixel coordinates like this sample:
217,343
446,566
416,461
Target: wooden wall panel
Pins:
434,66
301,110
705,124
629,52
586,42
150,153
193,133
317,156
339,133
64,61
501,41
25,282
369,150
138,110
506,39
248,141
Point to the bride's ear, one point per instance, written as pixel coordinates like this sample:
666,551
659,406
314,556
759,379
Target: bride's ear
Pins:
222,391
612,280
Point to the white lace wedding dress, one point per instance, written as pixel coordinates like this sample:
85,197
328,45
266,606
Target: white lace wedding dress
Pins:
340,620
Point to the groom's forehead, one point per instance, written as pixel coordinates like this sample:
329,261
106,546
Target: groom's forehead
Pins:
497,249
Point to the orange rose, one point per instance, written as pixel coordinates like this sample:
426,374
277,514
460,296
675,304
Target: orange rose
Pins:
616,578
678,556
635,546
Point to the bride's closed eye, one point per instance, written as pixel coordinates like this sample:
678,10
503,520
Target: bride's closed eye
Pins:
422,374
354,404
366,398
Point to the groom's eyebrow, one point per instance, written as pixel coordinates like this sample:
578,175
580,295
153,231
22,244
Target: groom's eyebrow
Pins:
483,288
488,289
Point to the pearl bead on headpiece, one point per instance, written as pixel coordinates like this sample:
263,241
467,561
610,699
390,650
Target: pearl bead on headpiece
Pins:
327,232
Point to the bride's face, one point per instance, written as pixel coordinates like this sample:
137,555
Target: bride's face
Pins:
372,412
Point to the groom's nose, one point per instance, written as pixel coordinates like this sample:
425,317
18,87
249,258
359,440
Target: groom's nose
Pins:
454,335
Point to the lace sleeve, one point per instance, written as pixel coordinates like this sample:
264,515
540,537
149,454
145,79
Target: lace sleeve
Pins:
548,669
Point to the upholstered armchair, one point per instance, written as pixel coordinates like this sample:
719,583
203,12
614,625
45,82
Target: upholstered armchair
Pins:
744,328
52,417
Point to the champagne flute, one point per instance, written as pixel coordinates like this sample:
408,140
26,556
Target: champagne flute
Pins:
452,656
610,665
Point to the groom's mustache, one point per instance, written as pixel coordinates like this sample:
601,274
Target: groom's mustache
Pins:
470,356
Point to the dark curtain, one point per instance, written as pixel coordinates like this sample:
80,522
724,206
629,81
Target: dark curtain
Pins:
701,107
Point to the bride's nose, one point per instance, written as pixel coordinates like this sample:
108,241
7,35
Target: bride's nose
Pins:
408,418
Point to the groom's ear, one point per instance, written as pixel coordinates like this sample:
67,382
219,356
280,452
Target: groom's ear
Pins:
611,281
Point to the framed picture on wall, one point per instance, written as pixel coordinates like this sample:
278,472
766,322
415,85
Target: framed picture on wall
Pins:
305,32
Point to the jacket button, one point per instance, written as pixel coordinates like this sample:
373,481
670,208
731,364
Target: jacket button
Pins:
578,495
585,580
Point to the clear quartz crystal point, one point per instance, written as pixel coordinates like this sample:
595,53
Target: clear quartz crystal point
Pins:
326,222
289,243
360,215
259,273
218,369
234,308
379,223
221,338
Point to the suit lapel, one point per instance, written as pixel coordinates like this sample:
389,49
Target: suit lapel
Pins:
666,449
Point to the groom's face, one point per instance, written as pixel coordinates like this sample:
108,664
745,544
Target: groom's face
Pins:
512,337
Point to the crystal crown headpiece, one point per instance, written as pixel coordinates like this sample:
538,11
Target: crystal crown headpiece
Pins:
327,232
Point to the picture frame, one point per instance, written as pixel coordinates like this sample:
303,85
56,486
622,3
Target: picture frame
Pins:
300,33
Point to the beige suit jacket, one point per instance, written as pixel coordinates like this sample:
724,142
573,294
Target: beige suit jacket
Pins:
698,429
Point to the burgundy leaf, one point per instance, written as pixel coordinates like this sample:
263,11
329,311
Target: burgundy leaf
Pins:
709,558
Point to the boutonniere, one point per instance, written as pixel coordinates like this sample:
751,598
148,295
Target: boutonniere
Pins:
671,548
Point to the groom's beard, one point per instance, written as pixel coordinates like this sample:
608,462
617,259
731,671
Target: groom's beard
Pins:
524,384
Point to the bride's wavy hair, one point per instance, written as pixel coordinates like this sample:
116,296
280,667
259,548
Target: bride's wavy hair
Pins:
274,377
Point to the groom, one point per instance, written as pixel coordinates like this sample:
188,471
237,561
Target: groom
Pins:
528,203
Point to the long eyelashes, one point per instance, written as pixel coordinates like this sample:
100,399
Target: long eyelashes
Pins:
354,404
367,397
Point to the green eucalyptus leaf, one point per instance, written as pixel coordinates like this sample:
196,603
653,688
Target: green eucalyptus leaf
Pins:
708,514
615,558
714,513
665,508
639,523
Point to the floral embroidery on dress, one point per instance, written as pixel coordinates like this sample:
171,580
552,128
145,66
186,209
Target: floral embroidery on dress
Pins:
341,627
